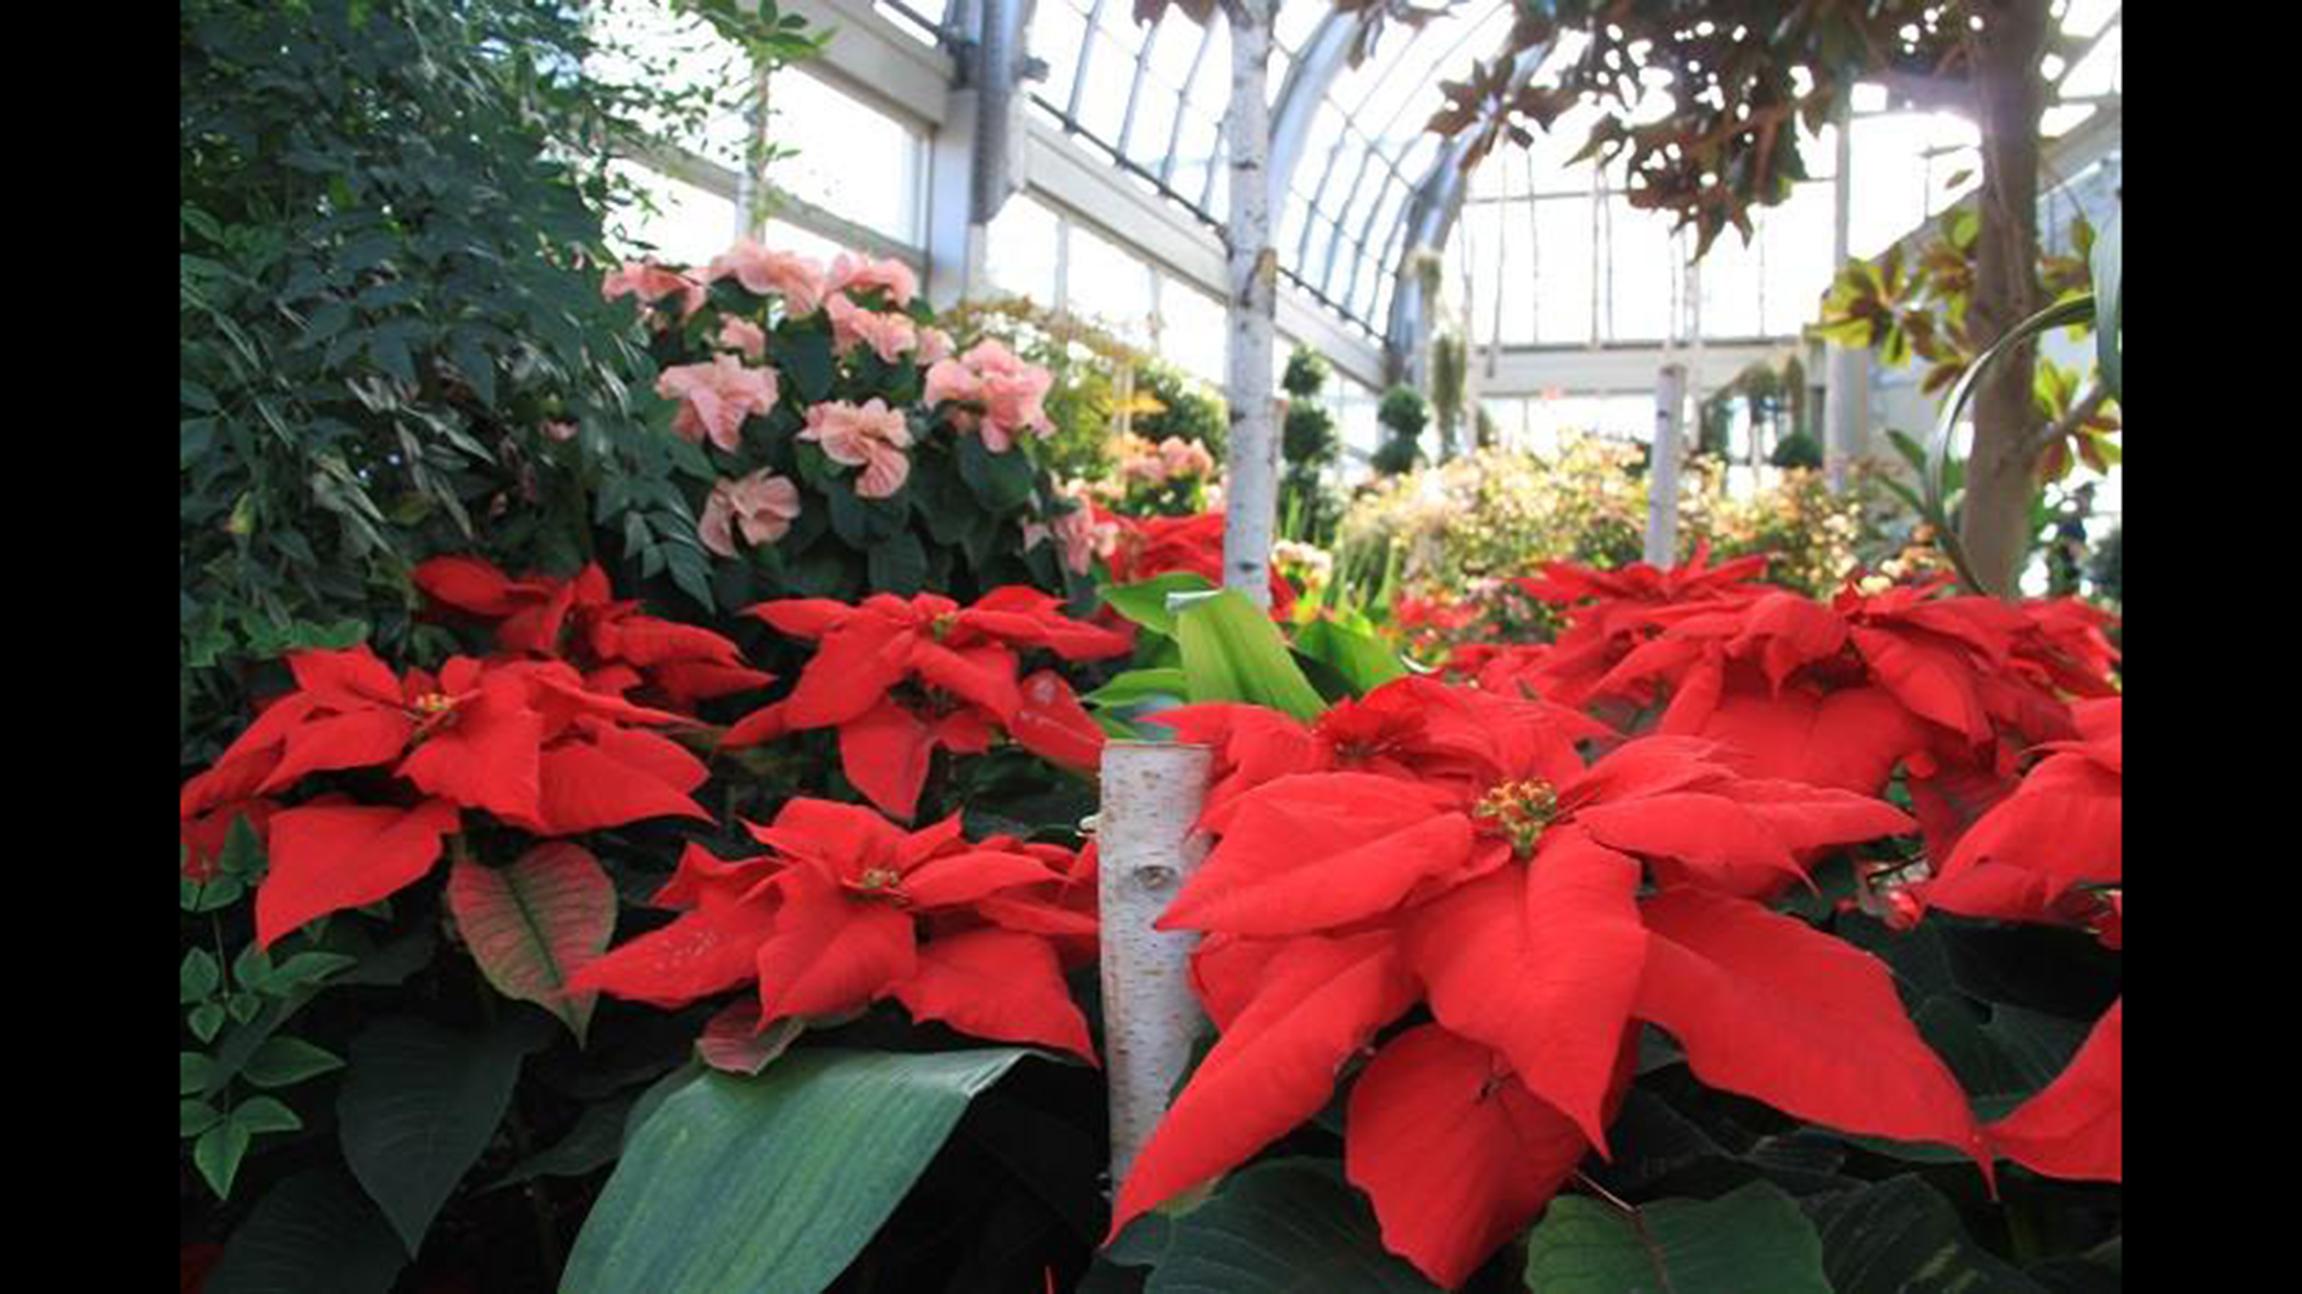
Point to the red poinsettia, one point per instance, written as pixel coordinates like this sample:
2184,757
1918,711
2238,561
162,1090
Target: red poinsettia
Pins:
580,621
524,741
2073,1127
1948,688
848,909
1480,868
1613,611
901,678
2048,851
1147,546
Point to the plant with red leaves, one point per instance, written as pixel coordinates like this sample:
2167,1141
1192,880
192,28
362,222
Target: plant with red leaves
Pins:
525,742
1545,912
618,648
901,678
846,909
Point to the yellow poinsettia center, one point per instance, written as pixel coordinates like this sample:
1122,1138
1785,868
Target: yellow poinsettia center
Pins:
1518,811
880,881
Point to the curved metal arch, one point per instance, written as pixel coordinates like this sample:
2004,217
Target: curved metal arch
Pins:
1429,221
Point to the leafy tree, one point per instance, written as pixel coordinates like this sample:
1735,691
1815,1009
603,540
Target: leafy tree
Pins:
1404,413
1744,74
390,328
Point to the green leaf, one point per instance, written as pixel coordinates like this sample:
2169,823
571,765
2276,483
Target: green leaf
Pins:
193,1070
196,1117
1000,482
1291,1224
265,1114
1900,1236
772,1185
2108,288
532,924
1751,1238
1363,661
206,1020
217,1155
1138,685
1145,603
419,1104
806,356
596,1139
898,565
198,976
313,1231
1232,652
281,1061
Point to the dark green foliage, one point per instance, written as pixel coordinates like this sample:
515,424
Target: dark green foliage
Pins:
2104,569
1798,449
1308,436
388,288
1307,373
1404,411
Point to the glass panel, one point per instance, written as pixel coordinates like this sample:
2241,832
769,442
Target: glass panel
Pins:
1021,249
689,226
1105,282
1642,266
1192,332
784,236
677,52
1563,257
851,159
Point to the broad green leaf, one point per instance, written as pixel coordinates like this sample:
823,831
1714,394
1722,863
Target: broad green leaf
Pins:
1145,603
772,1185
1138,685
1900,1236
534,923
1363,661
1000,482
419,1103
193,1070
1232,652
196,1117
1752,1238
206,1020
281,1061
313,1231
1291,1224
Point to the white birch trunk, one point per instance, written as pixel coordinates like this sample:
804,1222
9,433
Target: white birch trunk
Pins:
1663,467
1251,488
1152,794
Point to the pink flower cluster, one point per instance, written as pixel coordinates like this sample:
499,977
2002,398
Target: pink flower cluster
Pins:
1171,459
870,436
851,274
761,505
1005,393
795,278
651,283
715,398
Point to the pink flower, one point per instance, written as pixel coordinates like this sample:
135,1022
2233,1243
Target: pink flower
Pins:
715,398
1008,392
1075,530
1185,457
651,283
795,278
934,344
888,335
849,273
762,505
739,334
870,436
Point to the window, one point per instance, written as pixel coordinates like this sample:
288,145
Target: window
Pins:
850,159
689,225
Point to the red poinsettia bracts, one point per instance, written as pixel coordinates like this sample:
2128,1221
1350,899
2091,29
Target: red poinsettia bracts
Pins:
1475,865
1409,727
579,620
1147,546
901,678
2048,851
2073,1127
524,741
1613,611
848,909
